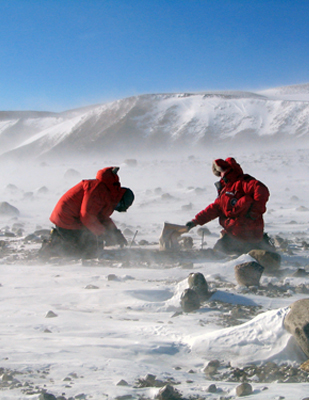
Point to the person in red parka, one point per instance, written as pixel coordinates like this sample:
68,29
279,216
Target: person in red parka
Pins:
82,215
240,206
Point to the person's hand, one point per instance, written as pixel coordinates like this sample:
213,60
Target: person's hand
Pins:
190,225
121,240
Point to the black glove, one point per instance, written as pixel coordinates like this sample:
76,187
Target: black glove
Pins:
120,239
190,225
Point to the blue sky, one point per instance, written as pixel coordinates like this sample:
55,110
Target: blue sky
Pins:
62,54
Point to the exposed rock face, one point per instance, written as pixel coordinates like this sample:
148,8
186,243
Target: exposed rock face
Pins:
297,323
248,273
7,209
198,283
269,260
189,300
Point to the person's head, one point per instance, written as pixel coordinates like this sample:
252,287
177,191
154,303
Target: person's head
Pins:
227,169
126,200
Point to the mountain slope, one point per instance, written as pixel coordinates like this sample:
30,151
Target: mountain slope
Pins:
159,121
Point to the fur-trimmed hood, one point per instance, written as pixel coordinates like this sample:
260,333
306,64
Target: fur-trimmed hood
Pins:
227,169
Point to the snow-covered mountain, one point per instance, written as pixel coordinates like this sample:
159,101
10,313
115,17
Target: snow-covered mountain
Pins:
160,121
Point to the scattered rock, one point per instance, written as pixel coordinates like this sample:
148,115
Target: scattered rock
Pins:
187,207
245,389
43,190
72,174
131,162
189,300
212,388
302,208
198,283
212,367
91,287
297,323
300,273
51,314
269,260
248,273
112,277
305,366
47,396
122,382
167,197
8,210
199,191
128,232
168,392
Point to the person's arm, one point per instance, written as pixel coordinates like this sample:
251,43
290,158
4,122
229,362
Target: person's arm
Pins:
211,212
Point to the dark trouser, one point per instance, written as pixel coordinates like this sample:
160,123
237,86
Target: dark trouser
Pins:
73,242
230,245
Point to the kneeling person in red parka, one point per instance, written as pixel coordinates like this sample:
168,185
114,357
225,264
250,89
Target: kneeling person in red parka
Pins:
82,215
240,206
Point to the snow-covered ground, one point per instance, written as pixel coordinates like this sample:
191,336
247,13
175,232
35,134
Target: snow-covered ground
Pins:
119,319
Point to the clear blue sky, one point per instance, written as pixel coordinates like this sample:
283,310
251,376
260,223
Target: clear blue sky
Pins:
62,54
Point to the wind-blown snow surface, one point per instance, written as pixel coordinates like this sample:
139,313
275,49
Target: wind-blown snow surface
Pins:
119,320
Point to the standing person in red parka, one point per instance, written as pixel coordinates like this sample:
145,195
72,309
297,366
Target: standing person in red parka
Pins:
240,206
82,215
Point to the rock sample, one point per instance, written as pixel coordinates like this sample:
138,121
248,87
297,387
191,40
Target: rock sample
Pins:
297,323
248,273
170,235
198,283
189,300
269,260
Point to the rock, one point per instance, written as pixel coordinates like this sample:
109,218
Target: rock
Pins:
168,392
8,210
199,191
198,283
91,287
297,323
167,196
47,396
122,382
248,273
187,207
131,162
51,314
212,367
189,300
245,389
128,232
212,388
72,174
43,190
302,208
112,277
305,366
269,260
300,273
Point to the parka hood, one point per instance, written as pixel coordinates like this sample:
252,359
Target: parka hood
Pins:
228,169
109,176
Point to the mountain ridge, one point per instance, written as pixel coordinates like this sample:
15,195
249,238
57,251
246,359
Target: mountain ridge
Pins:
161,121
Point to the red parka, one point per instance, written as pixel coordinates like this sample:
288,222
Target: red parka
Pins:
90,203
240,204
